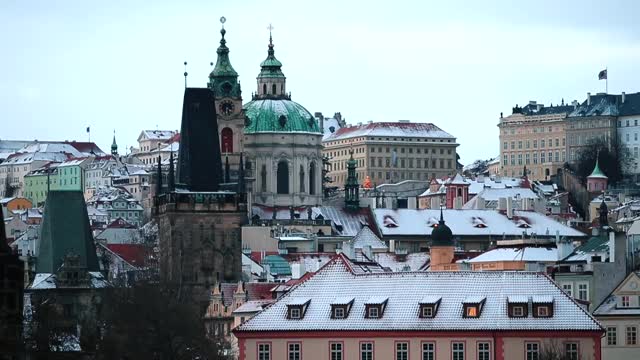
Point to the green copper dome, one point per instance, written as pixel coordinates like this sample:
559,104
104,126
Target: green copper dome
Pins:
278,115
597,173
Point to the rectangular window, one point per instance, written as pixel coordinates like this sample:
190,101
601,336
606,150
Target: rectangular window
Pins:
505,161
541,143
402,351
336,351
295,313
457,351
294,351
520,144
542,159
557,157
483,351
366,351
505,146
264,351
535,157
427,311
528,144
535,144
532,351
513,145
513,159
568,288
631,334
428,351
625,301
519,159
583,291
373,312
571,351
526,159
612,335
338,312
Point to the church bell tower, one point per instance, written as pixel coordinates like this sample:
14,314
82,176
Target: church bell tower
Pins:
223,80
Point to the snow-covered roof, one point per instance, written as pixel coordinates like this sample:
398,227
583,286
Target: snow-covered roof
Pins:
397,129
330,124
415,222
48,281
489,194
410,262
366,237
528,254
28,158
253,306
403,293
156,134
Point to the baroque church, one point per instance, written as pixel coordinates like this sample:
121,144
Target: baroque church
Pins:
280,139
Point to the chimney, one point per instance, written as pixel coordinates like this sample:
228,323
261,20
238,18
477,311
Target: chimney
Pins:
412,202
588,98
539,106
502,203
295,271
623,96
612,246
392,246
510,207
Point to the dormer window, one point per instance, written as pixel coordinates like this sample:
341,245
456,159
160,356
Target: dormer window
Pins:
389,222
297,307
429,306
518,306
542,306
472,306
340,307
374,307
478,223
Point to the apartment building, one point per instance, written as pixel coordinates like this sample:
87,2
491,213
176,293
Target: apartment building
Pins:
533,136
390,152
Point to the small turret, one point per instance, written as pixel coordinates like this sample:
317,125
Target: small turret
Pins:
351,187
114,146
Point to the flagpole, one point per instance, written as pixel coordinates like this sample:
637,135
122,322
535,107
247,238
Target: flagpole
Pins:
606,81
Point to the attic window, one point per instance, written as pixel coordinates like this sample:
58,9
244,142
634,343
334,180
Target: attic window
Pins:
522,224
297,307
472,306
429,306
374,307
340,307
389,222
478,222
518,306
542,306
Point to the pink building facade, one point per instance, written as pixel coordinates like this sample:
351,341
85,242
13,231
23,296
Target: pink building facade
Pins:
346,312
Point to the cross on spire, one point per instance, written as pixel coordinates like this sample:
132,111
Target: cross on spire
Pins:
270,27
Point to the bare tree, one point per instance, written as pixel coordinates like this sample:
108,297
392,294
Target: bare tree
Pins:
613,159
148,321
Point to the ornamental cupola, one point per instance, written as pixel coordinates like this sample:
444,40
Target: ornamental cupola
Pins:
223,79
271,80
351,187
441,234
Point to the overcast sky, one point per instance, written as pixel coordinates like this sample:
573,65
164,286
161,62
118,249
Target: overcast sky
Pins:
118,64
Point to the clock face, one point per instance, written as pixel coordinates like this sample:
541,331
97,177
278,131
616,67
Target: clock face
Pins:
226,107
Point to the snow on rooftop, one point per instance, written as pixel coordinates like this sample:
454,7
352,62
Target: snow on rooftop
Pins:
430,299
518,299
298,301
415,222
404,291
397,129
376,299
528,254
342,300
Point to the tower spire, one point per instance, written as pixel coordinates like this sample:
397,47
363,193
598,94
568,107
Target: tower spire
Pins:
114,146
271,80
223,66
351,187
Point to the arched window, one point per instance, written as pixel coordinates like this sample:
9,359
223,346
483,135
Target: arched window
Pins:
283,178
312,178
273,89
227,140
459,192
301,179
263,179
264,89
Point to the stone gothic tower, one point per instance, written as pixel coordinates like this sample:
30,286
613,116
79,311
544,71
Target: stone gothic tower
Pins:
223,80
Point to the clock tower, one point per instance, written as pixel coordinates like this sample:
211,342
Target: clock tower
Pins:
223,80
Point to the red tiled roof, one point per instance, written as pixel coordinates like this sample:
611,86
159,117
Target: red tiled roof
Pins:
255,291
174,138
85,147
134,254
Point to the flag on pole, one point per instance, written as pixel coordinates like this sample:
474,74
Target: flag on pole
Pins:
88,129
602,75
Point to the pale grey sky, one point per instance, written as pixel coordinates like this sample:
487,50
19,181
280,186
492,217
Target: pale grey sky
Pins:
118,64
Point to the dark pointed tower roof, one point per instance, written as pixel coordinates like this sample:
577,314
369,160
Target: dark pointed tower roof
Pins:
603,211
172,178
199,161
441,234
159,177
65,230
